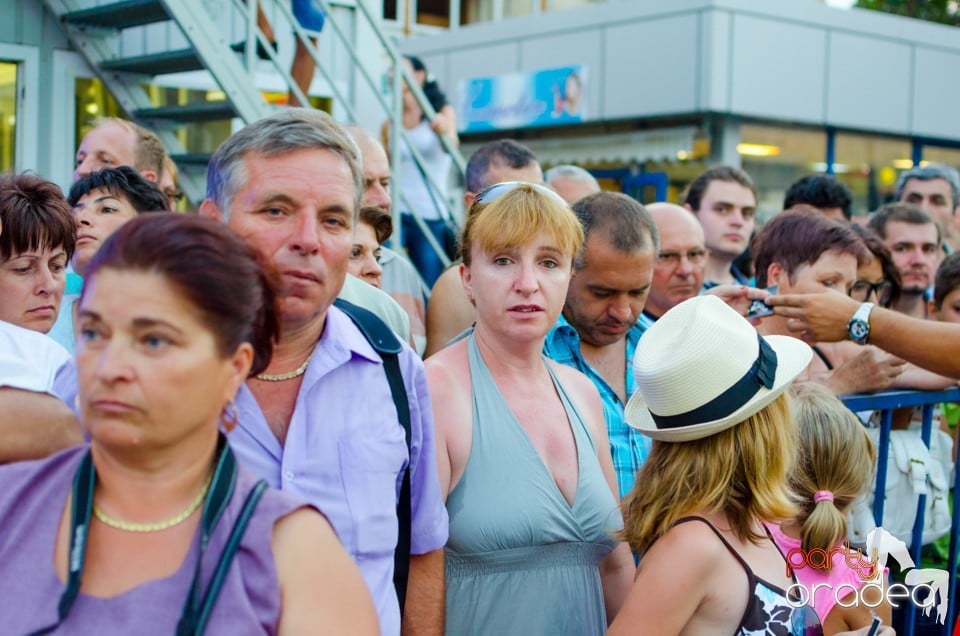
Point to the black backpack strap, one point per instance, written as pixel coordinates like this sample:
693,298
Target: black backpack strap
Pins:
382,338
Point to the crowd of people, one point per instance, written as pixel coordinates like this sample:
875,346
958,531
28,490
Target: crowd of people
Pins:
607,416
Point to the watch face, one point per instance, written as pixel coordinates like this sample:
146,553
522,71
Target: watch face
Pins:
859,330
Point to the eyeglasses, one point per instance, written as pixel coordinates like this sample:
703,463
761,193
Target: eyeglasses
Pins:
862,289
497,190
695,256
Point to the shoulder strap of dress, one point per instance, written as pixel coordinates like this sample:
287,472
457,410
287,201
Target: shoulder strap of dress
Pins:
822,356
720,536
568,404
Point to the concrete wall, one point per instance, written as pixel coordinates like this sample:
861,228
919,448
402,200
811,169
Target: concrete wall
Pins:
791,60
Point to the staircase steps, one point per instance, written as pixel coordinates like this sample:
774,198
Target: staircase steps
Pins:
179,61
119,15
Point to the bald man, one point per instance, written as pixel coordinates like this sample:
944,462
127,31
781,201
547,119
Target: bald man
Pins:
571,182
400,278
679,270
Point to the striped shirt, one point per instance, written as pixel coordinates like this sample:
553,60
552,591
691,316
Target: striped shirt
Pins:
628,446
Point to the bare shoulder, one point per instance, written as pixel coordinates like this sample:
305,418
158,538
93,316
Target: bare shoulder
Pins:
448,376
321,588
690,546
449,311
302,525
583,392
576,382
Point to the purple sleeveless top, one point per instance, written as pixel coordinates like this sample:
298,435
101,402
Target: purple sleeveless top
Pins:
32,499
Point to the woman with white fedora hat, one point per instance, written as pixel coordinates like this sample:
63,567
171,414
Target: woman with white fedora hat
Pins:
712,394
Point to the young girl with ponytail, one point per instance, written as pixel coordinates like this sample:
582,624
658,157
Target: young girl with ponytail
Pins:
834,467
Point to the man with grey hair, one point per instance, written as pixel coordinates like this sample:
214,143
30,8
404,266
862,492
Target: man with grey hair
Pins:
598,330
571,182
934,188
321,421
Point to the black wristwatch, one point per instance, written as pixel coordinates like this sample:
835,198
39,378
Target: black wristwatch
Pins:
859,325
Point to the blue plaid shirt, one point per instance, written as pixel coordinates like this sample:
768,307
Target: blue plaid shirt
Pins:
628,446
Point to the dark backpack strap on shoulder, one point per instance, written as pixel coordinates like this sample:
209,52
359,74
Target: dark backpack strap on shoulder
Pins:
377,333
382,338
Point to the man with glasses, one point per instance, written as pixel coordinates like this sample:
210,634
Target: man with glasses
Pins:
598,330
679,270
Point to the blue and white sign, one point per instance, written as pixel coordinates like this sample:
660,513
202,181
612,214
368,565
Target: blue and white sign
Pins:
517,100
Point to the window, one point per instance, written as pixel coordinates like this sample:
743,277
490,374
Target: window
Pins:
869,165
8,116
775,157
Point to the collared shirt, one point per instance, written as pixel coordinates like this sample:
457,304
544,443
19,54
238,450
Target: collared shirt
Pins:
628,446
646,320
344,453
739,277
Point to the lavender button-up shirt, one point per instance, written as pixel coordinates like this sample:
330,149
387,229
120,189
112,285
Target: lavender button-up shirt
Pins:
345,450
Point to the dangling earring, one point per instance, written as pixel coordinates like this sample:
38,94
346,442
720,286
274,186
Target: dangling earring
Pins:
229,416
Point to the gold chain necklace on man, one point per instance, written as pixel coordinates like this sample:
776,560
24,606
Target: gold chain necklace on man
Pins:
280,377
157,526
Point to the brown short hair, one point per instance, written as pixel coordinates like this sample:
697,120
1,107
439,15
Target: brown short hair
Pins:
799,236
693,195
229,284
377,218
34,214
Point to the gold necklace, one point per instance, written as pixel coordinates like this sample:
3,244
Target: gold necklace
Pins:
280,377
157,526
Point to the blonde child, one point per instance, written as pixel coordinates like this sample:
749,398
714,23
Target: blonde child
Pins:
835,466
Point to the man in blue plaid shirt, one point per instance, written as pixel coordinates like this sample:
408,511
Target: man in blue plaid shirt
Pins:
598,330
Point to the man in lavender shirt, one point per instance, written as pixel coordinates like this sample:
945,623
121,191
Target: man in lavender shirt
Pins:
320,421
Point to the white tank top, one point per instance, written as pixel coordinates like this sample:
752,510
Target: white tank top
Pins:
437,164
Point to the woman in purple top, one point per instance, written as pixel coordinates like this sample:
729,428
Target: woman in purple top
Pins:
153,527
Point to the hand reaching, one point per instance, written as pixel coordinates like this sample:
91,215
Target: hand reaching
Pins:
870,370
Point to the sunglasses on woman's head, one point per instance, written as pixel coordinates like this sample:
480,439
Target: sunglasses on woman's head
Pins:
497,190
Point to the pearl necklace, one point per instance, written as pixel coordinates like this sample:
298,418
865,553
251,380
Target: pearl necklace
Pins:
280,377
157,526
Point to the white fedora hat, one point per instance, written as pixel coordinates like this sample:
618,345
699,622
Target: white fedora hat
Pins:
701,368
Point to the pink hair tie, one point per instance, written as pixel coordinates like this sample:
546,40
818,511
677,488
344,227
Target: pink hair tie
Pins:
822,495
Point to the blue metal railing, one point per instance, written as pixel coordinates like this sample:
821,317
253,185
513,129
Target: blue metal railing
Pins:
886,402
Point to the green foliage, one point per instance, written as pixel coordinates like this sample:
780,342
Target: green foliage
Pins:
942,11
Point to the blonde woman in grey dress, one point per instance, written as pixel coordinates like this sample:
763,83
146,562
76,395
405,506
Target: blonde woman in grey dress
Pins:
531,501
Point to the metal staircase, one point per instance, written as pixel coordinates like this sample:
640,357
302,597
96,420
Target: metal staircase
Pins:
195,35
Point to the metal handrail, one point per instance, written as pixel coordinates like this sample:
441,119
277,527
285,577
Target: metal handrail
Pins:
392,110
886,402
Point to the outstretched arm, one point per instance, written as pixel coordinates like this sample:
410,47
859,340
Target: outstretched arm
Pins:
823,317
